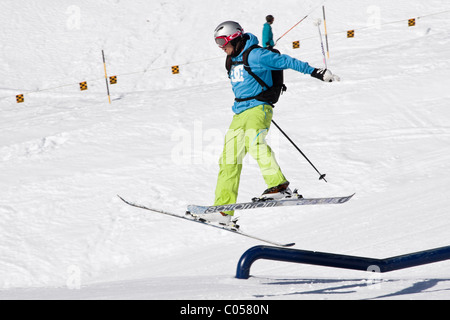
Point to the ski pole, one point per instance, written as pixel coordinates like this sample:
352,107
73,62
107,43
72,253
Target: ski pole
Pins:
321,176
317,23
106,76
326,33
291,28
299,21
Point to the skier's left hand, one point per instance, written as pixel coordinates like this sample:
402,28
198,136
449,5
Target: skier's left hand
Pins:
325,75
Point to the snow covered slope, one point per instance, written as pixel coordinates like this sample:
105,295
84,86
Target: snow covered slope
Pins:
382,132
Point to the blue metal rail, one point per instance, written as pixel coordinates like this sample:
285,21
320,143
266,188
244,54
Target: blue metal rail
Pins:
338,260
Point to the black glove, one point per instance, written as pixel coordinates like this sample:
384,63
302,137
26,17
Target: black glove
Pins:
324,75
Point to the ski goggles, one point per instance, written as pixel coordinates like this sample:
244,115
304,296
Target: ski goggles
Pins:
222,41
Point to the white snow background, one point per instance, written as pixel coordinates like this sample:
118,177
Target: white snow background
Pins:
382,132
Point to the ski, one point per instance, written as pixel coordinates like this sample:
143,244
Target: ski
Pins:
193,218
268,204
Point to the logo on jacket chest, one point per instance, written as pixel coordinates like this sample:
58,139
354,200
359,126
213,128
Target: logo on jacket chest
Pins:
237,73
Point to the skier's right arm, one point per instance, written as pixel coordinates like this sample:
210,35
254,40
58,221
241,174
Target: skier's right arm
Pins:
274,61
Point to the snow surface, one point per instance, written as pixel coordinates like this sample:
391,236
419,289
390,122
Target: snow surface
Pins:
382,132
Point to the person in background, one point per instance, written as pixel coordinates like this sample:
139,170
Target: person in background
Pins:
267,34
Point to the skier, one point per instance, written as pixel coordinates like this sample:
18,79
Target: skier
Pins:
252,118
267,34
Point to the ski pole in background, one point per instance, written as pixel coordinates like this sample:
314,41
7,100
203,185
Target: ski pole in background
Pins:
326,34
321,176
291,28
317,23
106,76
299,22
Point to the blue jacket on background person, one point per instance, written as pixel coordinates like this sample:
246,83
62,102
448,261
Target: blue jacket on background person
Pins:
267,36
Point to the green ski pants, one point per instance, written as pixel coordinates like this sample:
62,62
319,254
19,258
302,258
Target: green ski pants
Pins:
247,133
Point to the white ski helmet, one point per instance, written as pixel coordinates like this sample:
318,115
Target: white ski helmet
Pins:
227,31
